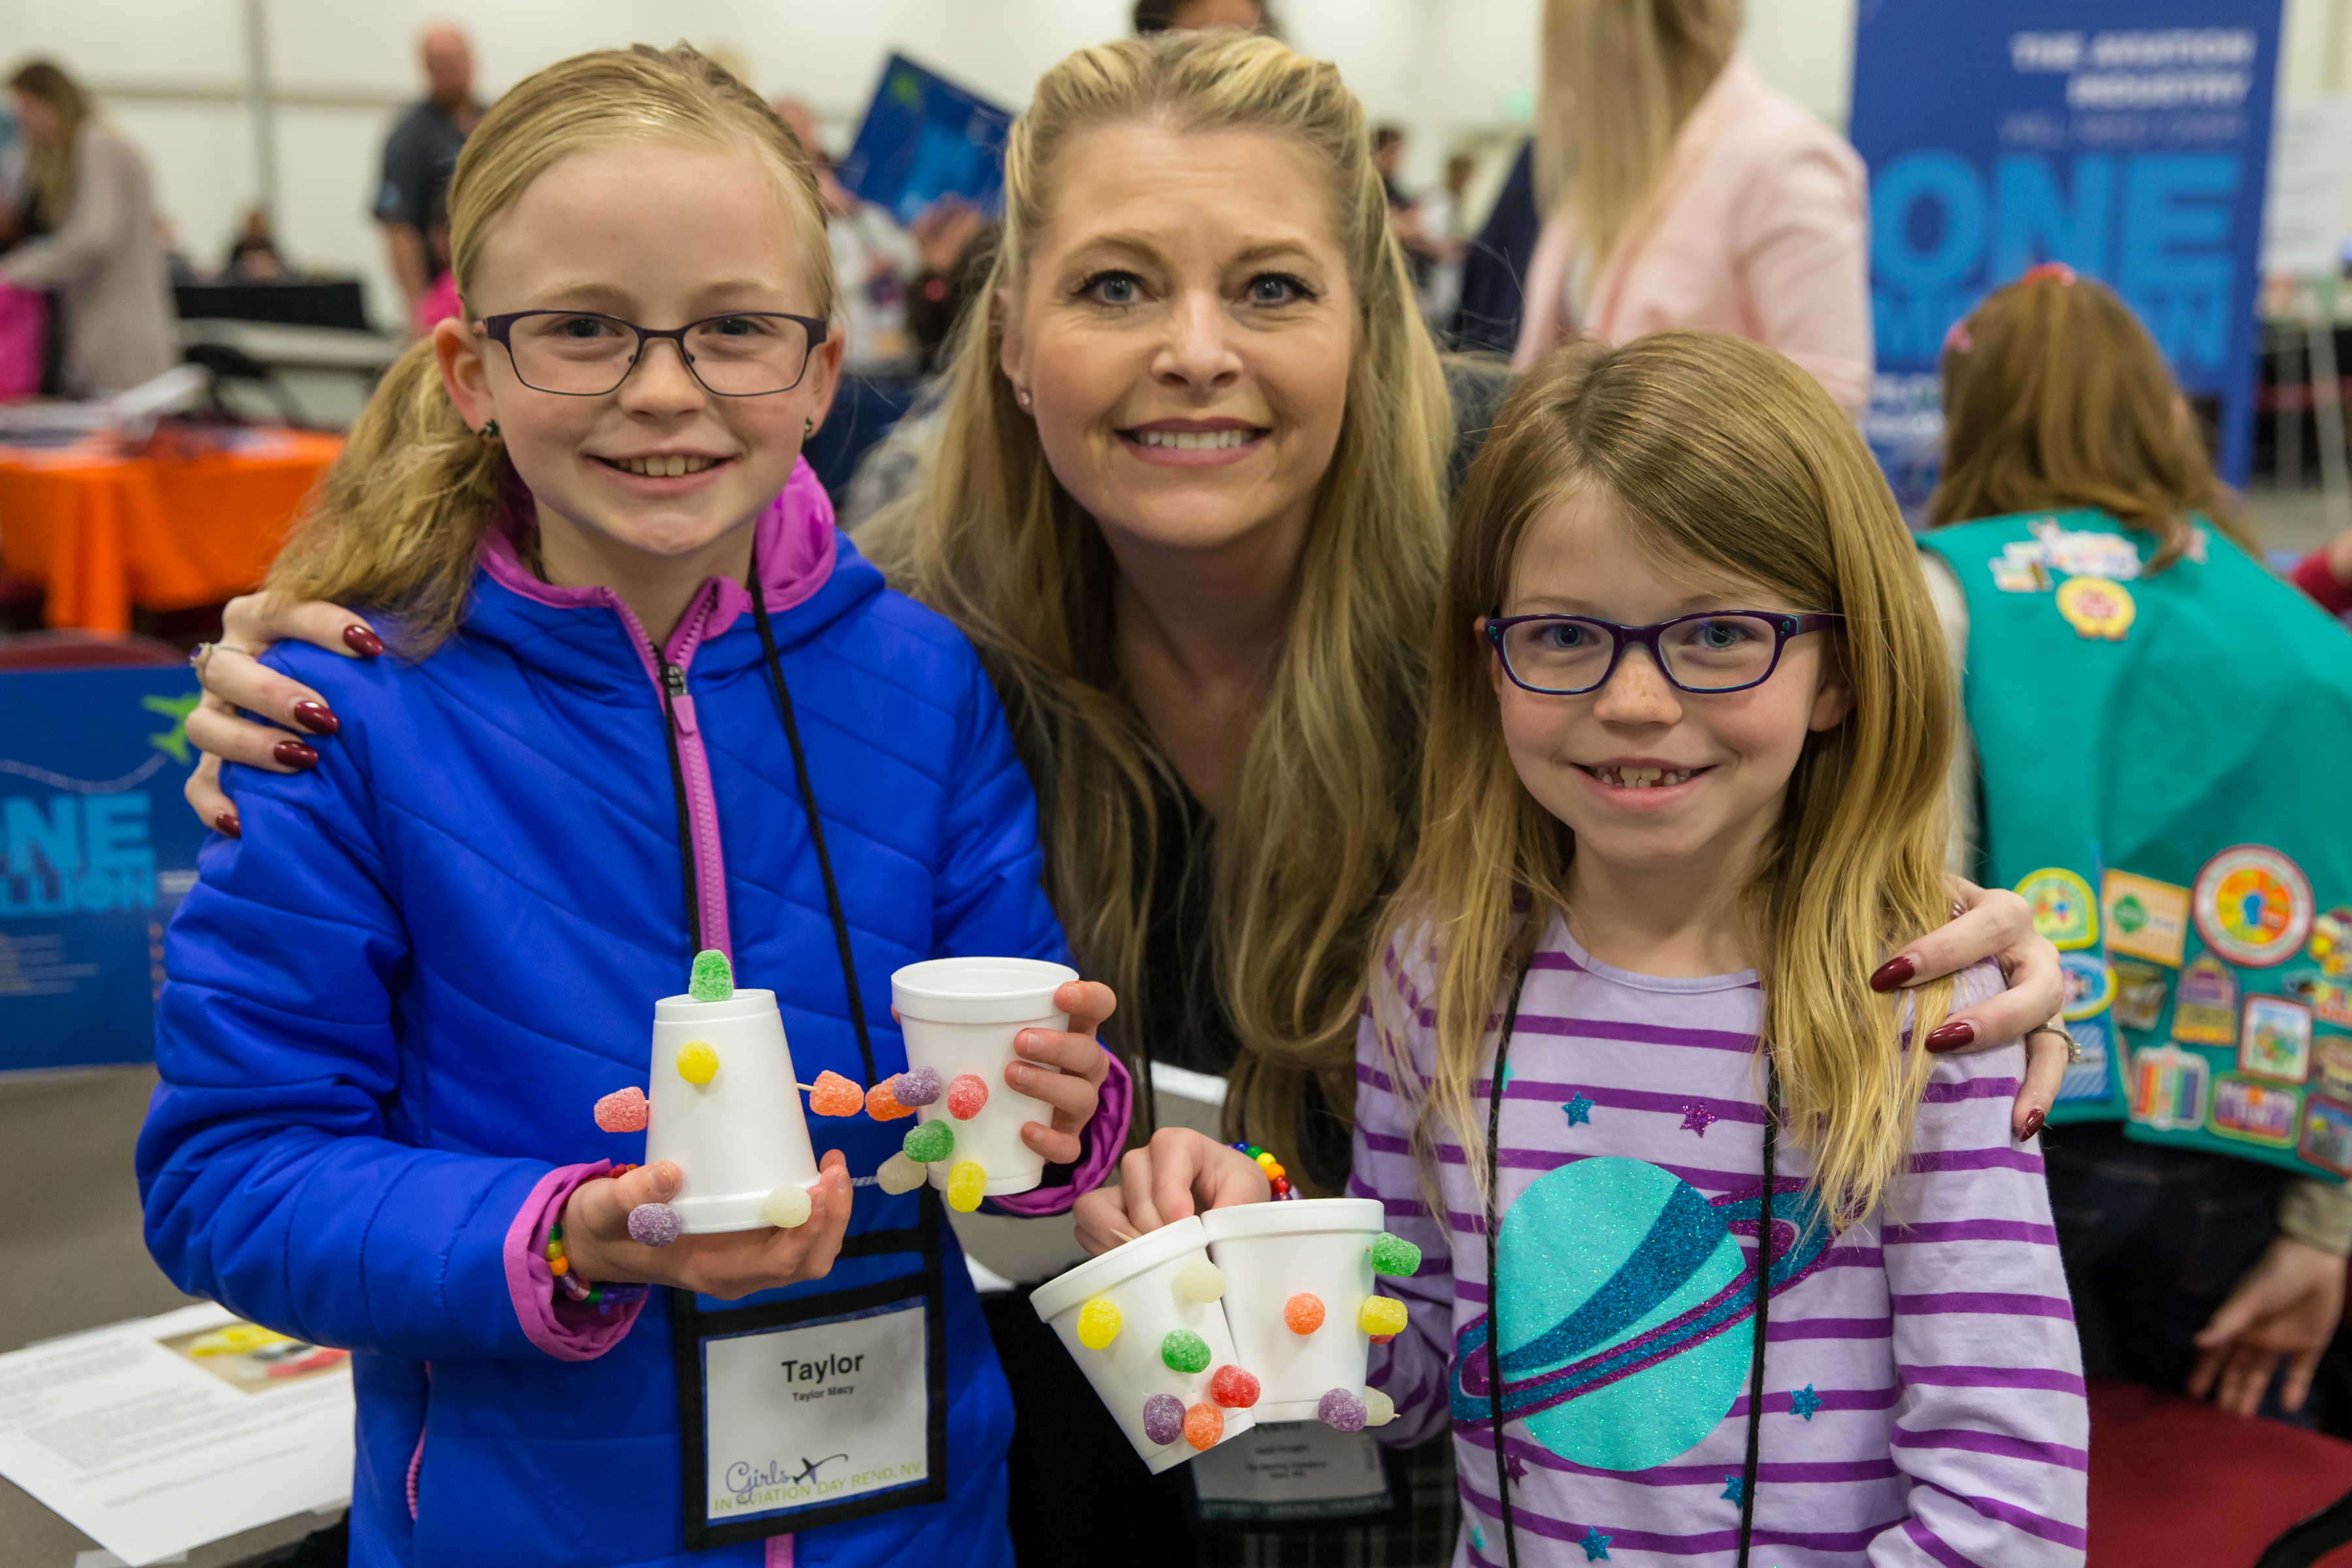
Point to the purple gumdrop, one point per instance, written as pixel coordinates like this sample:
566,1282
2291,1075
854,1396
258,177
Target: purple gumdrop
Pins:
1163,1418
654,1225
1341,1411
919,1086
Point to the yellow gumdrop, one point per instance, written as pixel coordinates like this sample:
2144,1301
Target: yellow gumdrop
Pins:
1098,1323
696,1062
967,1184
1382,1315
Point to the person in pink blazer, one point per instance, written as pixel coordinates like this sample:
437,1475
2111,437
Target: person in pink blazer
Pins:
1721,202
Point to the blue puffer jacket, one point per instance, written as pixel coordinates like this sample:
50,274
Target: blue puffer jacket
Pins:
392,1002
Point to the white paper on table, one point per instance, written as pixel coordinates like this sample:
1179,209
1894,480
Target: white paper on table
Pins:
149,1452
2311,165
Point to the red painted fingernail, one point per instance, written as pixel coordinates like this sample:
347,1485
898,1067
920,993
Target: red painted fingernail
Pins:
2033,1125
226,821
1952,1037
362,641
316,717
1895,973
295,754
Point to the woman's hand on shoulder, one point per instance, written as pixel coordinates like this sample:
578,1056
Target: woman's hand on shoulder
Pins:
234,677
727,1266
1994,923
1064,1067
1179,1174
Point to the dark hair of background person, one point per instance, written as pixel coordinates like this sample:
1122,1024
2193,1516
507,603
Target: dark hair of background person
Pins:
1164,15
49,163
2055,397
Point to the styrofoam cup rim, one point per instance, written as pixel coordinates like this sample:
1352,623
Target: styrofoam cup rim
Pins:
1303,1217
1116,1267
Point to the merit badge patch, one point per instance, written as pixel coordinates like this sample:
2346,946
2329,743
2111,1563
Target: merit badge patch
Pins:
2330,999
2139,992
2064,910
2206,1012
2090,985
2086,554
2146,918
2331,943
2274,1041
2087,1080
2096,607
2253,905
2012,576
2328,1134
2255,1112
2331,1066
2167,1088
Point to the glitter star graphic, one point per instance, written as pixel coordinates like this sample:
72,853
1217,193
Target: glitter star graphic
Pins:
1735,1488
1595,1544
1696,1117
1580,1110
1518,1468
1804,1402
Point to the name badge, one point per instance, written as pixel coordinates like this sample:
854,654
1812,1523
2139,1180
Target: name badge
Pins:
1292,1470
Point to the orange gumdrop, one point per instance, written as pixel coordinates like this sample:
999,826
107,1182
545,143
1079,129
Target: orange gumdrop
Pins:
1204,1425
1303,1313
834,1095
883,1106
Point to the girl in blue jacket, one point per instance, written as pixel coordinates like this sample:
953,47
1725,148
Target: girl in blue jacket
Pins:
411,968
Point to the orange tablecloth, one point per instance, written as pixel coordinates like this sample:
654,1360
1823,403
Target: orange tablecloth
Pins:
104,531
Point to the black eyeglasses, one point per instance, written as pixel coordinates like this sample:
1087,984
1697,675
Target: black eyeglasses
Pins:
579,353
1707,654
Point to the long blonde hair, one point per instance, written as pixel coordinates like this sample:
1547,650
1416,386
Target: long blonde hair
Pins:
1620,77
400,518
49,163
1324,816
1729,465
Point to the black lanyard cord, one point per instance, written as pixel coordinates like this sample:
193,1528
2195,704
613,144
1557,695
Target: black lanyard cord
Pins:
1763,1311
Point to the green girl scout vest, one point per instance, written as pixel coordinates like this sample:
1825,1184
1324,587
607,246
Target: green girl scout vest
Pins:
2165,768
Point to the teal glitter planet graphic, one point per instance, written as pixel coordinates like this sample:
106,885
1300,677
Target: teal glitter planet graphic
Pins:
1601,1253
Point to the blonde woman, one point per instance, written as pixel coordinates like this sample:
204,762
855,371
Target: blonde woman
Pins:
1681,191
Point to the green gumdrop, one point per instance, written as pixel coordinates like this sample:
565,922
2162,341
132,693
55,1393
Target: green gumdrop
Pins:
714,977
1395,1256
930,1142
1184,1351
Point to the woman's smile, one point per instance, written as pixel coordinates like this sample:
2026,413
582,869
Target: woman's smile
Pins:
1194,443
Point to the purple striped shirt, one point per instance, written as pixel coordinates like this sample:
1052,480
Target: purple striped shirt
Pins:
1923,1386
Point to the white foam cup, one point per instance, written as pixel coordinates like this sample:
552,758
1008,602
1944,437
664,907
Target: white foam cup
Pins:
740,1136
958,1016
1272,1251
1139,1279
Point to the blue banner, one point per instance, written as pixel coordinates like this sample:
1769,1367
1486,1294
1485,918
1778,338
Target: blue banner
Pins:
2128,139
924,138
98,847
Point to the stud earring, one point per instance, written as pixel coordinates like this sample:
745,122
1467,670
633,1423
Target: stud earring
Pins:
1022,393
490,432
808,428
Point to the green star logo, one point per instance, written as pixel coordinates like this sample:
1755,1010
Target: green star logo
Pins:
177,709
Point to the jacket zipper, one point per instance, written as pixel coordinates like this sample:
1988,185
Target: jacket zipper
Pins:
704,868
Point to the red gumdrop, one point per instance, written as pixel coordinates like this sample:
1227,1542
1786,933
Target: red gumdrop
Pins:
1233,1388
623,1110
1204,1425
966,1095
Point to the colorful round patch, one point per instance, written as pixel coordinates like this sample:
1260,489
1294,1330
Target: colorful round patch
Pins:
2096,607
2064,910
2253,905
2090,985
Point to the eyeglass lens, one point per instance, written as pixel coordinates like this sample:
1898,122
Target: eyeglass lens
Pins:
736,356
1714,654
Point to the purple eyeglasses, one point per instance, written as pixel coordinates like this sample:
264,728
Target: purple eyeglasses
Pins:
1707,654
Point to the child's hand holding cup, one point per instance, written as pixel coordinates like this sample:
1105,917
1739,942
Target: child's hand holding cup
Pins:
1180,1172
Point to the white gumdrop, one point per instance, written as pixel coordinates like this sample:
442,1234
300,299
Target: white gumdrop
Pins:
787,1206
1379,1408
1201,1280
899,1175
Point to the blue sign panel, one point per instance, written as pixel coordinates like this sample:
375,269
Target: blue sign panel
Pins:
98,847
2130,140
925,138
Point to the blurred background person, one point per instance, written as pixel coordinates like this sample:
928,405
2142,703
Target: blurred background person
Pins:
254,258
873,256
1681,191
87,233
419,157
1168,15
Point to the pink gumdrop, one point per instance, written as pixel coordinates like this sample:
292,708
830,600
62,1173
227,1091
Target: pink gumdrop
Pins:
623,1110
966,1095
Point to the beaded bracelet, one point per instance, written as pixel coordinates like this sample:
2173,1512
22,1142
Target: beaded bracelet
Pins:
604,1298
1273,1169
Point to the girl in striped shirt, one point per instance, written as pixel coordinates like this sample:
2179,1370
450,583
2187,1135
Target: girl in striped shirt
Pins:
1690,717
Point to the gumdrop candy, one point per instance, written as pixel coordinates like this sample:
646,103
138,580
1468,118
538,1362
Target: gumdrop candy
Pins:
1098,1325
967,1184
696,1062
1341,1411
1395,1256
1233,1388
1201,1280
714,977
1204,1425
654,1224
1163,1418
1184,1351
899,1175
884,1106
834,1095
931,1142
966,1095
918,1086
1382,1315
1303,1313
623,1110
787,1207
1379,1408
